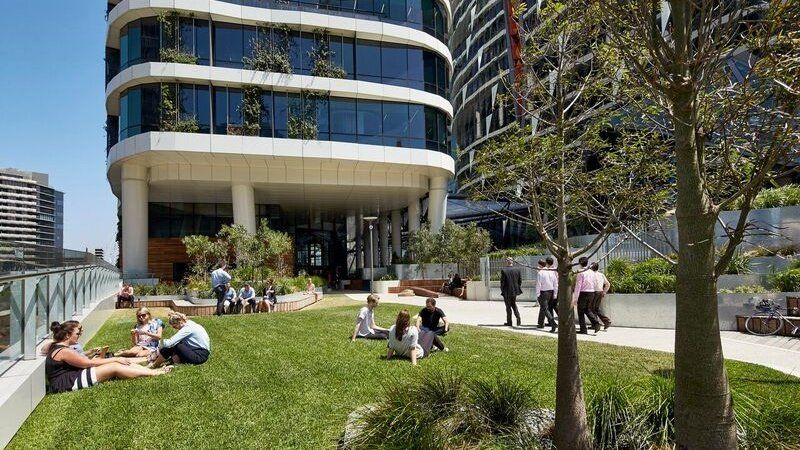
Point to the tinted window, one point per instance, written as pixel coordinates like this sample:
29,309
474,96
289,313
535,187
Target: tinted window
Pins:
228,45
202,42
281,115
203,110
395,124
370,121
395,65
343,127
368,61
266,114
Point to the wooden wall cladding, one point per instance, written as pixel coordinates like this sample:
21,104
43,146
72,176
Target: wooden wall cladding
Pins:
162,253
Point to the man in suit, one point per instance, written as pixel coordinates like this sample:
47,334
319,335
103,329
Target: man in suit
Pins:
510,288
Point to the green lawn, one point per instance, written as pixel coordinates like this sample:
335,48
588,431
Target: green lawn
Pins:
290,380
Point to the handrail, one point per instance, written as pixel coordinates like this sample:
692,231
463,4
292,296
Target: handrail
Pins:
38,273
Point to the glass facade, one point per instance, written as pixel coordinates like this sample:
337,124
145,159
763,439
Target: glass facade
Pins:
425,15
291,115
397,65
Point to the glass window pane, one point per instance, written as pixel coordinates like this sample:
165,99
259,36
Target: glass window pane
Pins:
266,114
431,129
395,119
394,65
234,107
397,10
203,108
134,43
151,112
151,43
323,122
416,69
202,42
370,121
123,116
349,57
368,61
220,110
281,114
430,71
343,110
186,102
228,45
123,48
249,35
414,11
186,30
296,52
307,47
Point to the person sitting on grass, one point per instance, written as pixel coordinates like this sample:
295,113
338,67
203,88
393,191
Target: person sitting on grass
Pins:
145,335
248,294
190,345
365,322
68,370
312,290
406,340
430,317
269,298
232,301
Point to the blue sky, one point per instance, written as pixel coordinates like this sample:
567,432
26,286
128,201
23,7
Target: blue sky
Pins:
52,109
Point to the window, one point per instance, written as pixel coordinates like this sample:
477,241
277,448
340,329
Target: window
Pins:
368,61
227,111
394,64
266,114
281,115
344,127
395,124
369,121
228,45
416,126
416,69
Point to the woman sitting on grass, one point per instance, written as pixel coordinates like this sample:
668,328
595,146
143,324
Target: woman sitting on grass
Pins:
145,335
68,370
190,345
406,340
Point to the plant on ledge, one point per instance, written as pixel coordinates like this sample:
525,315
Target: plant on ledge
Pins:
321,56
270,54
251,111
171,51
171,117
303,116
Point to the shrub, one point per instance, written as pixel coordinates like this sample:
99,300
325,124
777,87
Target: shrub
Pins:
652,276
787,281
389,276
788,195
748,289
739,264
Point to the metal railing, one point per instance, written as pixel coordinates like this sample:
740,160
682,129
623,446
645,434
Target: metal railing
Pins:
30,302
20,257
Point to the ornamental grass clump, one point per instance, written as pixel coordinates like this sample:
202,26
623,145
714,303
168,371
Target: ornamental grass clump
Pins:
443,411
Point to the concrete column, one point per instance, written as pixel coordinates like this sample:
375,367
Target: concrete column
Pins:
134,219
413,214
384,232
397,233
376,243
359,241
244,205
437,203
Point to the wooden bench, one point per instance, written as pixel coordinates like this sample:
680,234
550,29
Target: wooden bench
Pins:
285,303
422,288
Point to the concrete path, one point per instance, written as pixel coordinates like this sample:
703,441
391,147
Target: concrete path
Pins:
779,353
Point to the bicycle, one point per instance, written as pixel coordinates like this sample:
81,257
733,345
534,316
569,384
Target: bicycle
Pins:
770,321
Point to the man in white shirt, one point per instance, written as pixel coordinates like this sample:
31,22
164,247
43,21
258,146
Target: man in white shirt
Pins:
365,322
248,294
219,281
546,287
583,296
601,287
231,300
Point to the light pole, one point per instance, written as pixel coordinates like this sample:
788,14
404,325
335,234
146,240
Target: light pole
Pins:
370,222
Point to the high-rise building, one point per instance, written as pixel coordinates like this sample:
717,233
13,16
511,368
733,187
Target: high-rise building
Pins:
31,218
481,45
311,114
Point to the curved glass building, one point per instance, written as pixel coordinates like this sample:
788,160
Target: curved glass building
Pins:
311,114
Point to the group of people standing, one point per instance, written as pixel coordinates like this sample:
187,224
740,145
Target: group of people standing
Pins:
410,337
591,286
67,368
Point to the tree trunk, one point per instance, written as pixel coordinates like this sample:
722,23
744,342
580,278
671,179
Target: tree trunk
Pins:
703,403
571,427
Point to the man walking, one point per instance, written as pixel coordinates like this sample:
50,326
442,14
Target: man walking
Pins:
601,288
510,288
546,286
219,283
553,305
584,296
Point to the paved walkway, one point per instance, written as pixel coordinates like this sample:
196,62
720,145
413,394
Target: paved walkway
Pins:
776,352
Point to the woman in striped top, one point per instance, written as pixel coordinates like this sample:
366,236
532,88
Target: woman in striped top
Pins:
68,370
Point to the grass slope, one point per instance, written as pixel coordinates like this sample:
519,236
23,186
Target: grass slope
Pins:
290,380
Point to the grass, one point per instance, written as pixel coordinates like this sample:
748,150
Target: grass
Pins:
290,380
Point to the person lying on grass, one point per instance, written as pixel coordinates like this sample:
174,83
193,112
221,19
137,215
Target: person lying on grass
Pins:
190,345
365,322
68,370
406,340
145,335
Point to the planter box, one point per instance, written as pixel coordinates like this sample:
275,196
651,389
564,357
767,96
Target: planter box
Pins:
427,271
658,310
477,290
382,287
